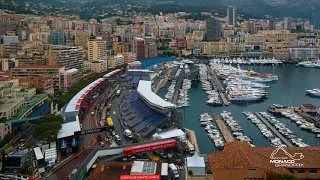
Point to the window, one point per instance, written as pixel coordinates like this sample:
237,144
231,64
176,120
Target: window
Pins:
252,170
301,171
291,171
313,171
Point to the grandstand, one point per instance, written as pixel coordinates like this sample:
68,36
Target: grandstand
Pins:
135,75
139,116
143,111
157,103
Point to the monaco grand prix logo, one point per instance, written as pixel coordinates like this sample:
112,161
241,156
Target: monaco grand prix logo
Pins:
281,157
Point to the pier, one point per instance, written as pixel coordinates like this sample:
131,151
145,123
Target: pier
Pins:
224,99
162,83
274,130
218,87
223,129
176,92
309,118
193,140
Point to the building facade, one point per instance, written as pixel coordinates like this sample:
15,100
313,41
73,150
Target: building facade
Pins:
243,162
68,56
139,47
304,53
213,30
97,50
231,15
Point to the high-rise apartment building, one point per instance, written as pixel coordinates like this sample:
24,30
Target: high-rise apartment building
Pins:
271,25
287,23
97,50
57,37
151,46
138,47
251,27
81,39
67,56
213,31
231,15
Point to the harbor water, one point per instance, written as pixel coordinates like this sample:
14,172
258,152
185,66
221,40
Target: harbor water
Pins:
288,90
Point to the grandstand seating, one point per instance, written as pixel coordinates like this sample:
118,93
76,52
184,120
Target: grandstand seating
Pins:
133,80
139,116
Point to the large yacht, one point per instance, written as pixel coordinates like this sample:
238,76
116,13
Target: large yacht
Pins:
314,92
244,97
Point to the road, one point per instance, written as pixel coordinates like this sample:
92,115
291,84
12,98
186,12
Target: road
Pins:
116,121
88,122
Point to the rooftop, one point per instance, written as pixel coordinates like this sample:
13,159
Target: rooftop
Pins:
309,106
144,90
35,99
240,155
110,170
37,67
69,128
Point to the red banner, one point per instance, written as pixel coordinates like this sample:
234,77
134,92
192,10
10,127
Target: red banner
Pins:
128,151
140,177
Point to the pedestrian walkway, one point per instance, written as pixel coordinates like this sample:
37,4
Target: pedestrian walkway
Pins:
193,139
223,129
274,130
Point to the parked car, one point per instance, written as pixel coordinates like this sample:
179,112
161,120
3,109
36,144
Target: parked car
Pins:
113,133
117,137
178,162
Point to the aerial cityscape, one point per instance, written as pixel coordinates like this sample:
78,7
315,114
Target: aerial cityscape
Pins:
160,90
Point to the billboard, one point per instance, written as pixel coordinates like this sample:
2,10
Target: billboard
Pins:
140,177
128,151
90,131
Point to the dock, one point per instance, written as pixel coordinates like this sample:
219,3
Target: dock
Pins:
309,118
224,99
193,139
176,92
161,84
274,130
218,87
223,129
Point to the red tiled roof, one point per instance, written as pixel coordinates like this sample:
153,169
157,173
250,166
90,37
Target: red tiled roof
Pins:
37,67
240,155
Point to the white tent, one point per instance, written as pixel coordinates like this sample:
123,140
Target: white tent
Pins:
196,164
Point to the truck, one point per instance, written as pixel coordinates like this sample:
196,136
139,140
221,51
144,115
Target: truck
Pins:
164,171
128,133
190,147
174,170
118,92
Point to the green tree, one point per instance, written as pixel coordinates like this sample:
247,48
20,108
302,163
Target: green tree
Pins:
47,127
27,167
209,171
190,173
7,138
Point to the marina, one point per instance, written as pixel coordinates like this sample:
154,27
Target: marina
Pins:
295,79
275,141
274,130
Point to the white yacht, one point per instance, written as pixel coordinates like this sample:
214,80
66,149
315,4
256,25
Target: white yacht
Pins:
314,92
244,97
